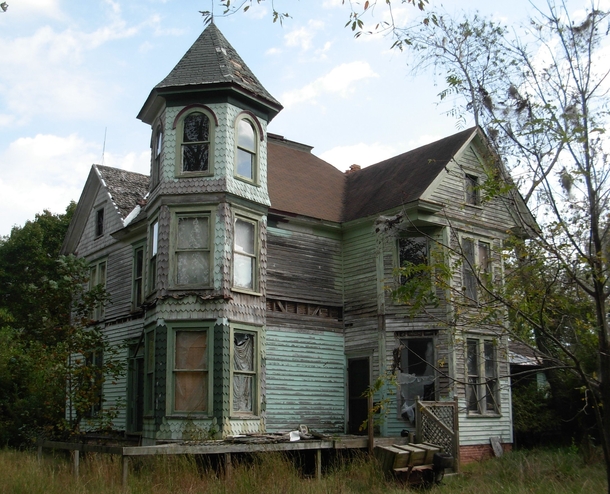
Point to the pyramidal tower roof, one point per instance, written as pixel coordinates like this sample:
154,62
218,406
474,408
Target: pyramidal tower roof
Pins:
211,62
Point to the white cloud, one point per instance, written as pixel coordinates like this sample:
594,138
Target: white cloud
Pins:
29,8
273,51
43,72
48,171
339,81
303,36
342,157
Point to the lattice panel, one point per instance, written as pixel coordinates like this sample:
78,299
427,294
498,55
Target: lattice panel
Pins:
431,430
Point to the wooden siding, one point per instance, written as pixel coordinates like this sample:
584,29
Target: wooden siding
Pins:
303,267
305,378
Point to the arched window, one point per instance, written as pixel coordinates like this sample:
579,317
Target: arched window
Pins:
196,133
246,150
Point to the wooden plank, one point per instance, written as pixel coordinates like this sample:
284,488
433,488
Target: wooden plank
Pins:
125,472
201,449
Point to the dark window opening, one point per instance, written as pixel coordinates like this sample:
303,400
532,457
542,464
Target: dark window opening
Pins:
413,255
196,143
99,223
472,190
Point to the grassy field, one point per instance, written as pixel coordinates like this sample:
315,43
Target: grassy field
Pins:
538,471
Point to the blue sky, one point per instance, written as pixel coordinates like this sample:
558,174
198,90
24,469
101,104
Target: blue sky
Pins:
74,74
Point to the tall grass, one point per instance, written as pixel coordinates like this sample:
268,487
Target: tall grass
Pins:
540,471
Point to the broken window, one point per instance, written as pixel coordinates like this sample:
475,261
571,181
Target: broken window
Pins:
482,374
244,372
245,255
191,372
413,255
94,361
195,143
192,254
246,150
416,376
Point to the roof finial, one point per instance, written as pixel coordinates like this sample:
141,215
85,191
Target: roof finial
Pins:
208,15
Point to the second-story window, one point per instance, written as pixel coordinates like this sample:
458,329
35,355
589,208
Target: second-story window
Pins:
138,277
196,143
245,255
157,149
153,245
246,163
192,250
472,190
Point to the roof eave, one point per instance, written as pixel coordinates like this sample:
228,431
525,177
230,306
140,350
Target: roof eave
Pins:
157,98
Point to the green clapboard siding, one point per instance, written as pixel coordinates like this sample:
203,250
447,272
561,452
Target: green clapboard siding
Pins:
305,381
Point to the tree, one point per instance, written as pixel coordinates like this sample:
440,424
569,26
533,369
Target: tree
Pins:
540,93
46,338
361,14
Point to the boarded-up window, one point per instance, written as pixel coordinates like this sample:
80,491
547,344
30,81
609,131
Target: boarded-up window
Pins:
192,255
482,375
244,255
417,375
196,143
191,372
244,372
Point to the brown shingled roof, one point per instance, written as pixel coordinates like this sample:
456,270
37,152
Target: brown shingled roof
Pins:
126,189
301,183
399,180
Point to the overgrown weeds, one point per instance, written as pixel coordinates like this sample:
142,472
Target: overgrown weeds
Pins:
537,471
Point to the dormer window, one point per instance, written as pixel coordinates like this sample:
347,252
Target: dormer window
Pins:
246,161
196,143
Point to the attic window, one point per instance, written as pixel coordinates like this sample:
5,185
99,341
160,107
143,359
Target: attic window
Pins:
472,190
99,222
195,143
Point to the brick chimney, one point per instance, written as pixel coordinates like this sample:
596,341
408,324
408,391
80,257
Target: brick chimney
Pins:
352,169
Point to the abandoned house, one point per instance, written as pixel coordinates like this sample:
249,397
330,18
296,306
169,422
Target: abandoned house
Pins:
250,281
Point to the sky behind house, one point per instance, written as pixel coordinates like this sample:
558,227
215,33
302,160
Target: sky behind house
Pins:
74,75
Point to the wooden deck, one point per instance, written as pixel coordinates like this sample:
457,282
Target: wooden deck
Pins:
221,447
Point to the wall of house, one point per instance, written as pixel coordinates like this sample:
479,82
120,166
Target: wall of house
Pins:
305,376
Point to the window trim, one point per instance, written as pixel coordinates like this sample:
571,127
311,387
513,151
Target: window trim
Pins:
435,381
152,275
185,212
199,326
99,311
138,248
472,267
256,392
99,222
179,132
256,222
257,137
472,193
481,377
149,372
158,146
398,262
